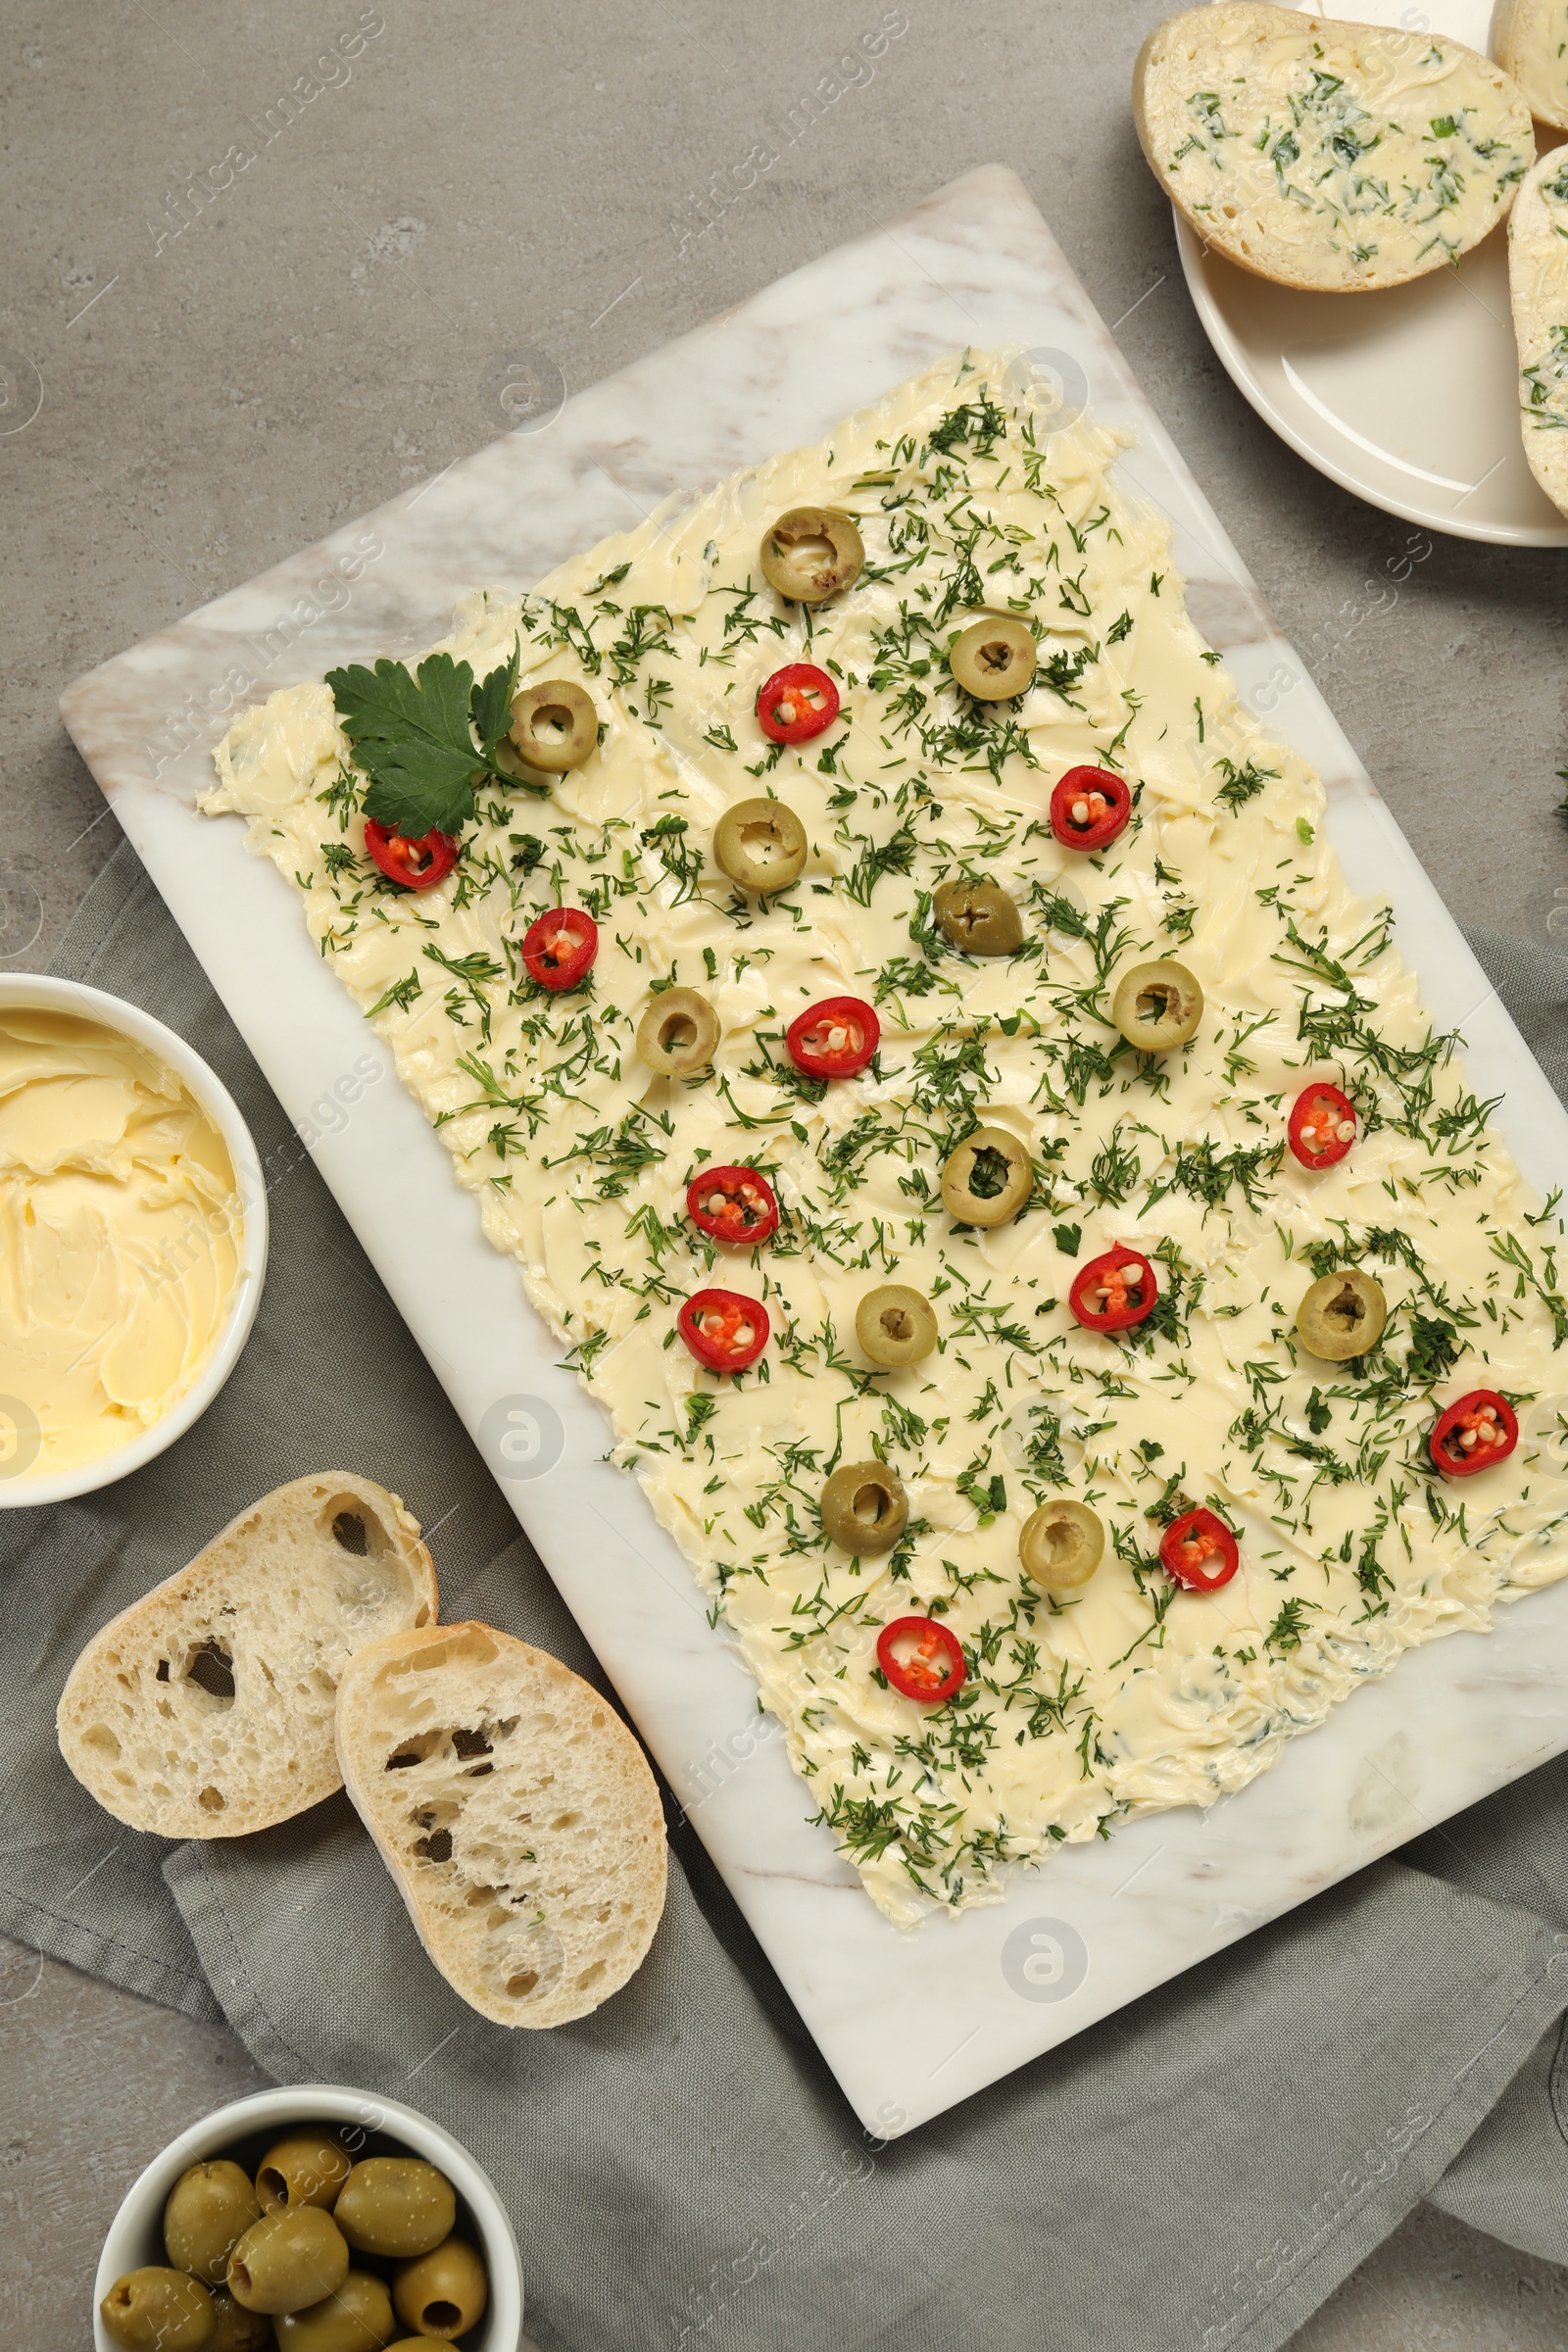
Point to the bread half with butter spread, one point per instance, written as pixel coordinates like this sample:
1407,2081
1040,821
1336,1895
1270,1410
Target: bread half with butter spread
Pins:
206,1709
1538,279
1338,158
516,1812
1530,41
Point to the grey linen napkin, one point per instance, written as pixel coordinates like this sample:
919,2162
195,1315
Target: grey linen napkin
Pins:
1200,2171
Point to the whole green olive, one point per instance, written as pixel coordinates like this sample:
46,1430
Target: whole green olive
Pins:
553,725
864,1506
810,553
994,660
396,2205
988,1179
894,1326
441,2293
236,2329
356,2318
979,917
677,1034
154,2310
761,845
308,2168
290,2259
208,2212
1157,1006
1343,1315
1061,1544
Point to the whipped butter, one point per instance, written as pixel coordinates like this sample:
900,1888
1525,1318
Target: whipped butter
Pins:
1133,1694
119,1234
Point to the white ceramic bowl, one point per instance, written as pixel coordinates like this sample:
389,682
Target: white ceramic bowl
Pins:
111,1012
248,2128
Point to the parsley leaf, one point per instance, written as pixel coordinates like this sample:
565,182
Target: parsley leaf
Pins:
413,736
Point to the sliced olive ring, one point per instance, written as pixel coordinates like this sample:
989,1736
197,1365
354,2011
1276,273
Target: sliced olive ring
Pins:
1343,1315
810,553
894,1326
761,845
678,1033
864,1506
553,725
988,1179
1061,1544
994,660
1157,1006
979,917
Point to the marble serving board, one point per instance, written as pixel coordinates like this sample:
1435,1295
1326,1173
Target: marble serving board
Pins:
909,2023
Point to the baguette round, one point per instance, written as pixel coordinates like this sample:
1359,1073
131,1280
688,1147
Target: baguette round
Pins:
1538,279
516,1812
1531,41
205,1709
1337,158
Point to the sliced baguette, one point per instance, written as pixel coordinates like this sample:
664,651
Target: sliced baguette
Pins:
1537,278
1305,150
205,1710
516,1813
1530,41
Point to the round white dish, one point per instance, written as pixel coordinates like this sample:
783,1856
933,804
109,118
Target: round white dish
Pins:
1410,398
135,2234
113,1012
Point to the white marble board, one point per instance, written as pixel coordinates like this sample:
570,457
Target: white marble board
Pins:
909,2024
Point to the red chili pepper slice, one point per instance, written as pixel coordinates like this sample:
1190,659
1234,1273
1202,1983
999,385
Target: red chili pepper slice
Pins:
1089,807
797,702
723,1330
418,864
1113,1291
834,1039
559,949
1200,1551
733,1204
932,1667
1323,1125
1480,1430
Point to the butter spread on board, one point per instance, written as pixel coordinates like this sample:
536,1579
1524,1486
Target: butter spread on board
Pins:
1128,1694
120,1232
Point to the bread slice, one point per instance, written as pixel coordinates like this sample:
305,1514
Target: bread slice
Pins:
1538,277
205,1710
1530,41
516,1812
1336,157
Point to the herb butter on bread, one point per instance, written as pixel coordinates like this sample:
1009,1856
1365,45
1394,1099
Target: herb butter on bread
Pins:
1537,278
516,1812
1531,39
1333,157
205,1710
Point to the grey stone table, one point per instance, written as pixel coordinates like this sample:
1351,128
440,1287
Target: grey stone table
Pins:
262,266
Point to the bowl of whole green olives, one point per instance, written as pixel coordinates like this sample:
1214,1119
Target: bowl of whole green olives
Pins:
311,2219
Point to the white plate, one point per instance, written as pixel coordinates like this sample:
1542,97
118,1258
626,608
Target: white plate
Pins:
1410,398
909,2024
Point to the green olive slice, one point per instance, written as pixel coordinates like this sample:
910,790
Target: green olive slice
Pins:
677,1034
979,917
1343,1315
1157,1006
1061,1544
553,725
864,1506
761,845
810,553
988,1179
994,660
894,1326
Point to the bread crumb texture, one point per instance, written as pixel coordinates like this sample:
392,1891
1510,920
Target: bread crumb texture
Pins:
1531,41
516,1812
1332,156
205,1710
1537,274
